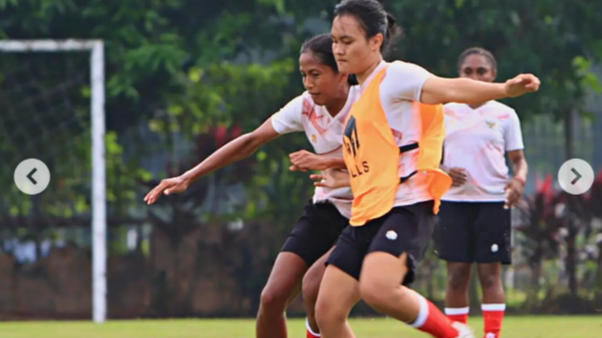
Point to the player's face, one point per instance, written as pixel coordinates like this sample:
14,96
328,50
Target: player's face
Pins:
320,80
353,52
477,67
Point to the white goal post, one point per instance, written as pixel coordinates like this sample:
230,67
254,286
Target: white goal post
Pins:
99,219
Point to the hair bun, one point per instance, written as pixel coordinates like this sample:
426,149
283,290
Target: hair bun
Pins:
391,21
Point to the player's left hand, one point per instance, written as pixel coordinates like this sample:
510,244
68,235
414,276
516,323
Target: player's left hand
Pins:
522,84
514,192
331,178
304,160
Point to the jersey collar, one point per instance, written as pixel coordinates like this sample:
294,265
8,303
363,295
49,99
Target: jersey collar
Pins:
378,68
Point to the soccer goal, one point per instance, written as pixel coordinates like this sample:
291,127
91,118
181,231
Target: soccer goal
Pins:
52,98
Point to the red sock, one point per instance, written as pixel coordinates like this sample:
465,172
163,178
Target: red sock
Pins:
493,315
432,320
310,333
458,314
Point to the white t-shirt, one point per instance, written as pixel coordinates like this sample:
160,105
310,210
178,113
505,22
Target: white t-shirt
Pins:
324,132
400,88
477,140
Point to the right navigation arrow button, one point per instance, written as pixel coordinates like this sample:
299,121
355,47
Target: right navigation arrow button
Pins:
577,176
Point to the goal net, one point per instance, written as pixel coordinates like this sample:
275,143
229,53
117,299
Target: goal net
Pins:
52,110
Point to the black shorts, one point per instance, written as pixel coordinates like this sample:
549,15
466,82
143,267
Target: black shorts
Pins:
403,229
471,232
316,231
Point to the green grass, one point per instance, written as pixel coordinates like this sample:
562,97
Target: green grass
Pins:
515,327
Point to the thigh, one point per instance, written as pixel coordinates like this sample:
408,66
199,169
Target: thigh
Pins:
455,242
313,276
316,232
284,283
350,250
339,292
382,271
401,233
493,234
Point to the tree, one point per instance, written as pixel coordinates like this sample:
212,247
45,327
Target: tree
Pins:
187,71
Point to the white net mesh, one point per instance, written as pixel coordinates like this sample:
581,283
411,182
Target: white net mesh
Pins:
45,105
45,114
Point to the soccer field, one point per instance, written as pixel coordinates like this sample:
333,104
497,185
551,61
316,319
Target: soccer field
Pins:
515,327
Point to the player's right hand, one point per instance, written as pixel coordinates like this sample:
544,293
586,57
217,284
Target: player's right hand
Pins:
167,186
458,176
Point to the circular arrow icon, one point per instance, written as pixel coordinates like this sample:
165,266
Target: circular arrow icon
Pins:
575,176
32,176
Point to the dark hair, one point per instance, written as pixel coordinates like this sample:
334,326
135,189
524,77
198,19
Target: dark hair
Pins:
477,51
321,48
372,18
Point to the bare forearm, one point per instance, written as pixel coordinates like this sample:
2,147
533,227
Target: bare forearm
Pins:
436,90
336,163
441,90
232,152
521,169
470,91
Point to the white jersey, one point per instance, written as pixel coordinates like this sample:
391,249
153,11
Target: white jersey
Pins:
477,140
400,88
324,132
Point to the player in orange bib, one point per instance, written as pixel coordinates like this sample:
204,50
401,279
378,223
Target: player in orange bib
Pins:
393,144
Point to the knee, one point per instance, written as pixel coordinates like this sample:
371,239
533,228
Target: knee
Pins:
457,279
273,299
375,294
328,315
385,297
311,288
491,281
370,294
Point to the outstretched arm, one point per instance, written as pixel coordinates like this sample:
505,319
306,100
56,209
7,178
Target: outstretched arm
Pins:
234,151
438,90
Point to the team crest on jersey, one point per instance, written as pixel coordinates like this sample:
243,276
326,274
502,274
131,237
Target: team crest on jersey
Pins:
314,138
491,123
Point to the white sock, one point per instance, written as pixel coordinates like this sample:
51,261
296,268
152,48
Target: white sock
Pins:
451,311
423,314
493,307
309,328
